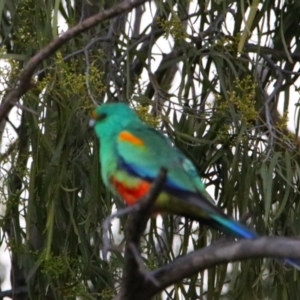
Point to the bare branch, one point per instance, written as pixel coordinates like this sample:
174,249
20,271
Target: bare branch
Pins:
136,224
216,254
133,275
25,77
18,291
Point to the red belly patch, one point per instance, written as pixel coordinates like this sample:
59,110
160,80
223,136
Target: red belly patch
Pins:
131,194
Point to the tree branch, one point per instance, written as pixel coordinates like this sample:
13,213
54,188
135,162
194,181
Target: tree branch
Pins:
137,283
18,291
211,256
25,76
220,253
133,274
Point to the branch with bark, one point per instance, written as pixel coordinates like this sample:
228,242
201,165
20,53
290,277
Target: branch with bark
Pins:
209,257
138,283
24,82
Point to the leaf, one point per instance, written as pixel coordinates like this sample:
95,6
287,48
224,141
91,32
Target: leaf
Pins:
267,177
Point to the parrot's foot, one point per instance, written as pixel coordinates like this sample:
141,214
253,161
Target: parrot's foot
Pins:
106,228
142,268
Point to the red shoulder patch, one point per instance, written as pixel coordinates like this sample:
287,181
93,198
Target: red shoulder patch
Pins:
131,194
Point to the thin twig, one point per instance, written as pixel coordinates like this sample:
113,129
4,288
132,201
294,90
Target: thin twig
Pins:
27,73
80,51
145,272
269,98
25,108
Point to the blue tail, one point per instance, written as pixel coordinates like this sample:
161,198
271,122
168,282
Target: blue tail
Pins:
240,231
234,228
293,262
197,207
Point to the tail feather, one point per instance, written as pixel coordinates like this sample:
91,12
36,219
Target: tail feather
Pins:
238,230
234,228
293,263
199,208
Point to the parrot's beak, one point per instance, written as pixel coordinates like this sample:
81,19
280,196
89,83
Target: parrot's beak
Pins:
93,119
92,122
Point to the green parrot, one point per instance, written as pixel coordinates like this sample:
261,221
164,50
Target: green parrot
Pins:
132,155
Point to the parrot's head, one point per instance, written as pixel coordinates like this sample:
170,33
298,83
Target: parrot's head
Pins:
110,119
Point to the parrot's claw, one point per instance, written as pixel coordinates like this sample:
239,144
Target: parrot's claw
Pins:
142,268
106,228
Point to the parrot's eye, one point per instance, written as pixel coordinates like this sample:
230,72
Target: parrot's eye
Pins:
101,117
98,117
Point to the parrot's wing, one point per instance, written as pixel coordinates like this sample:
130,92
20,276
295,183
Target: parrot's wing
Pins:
143,151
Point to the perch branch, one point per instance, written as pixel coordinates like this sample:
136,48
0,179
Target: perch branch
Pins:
134,275
211,256
24,82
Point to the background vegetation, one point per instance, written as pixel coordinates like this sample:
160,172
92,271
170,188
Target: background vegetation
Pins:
212,75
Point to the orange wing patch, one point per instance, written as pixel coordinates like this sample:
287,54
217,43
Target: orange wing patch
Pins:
131,194
128,137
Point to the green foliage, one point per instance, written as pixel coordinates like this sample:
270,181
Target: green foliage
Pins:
243,97
238,105
172,27
28,33
143,112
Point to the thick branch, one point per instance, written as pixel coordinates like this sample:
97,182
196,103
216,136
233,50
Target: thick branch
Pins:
216,254
18,291
139,284
133,275
220,253
25,76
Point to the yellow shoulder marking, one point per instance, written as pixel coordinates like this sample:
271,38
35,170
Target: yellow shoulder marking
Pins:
128,137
